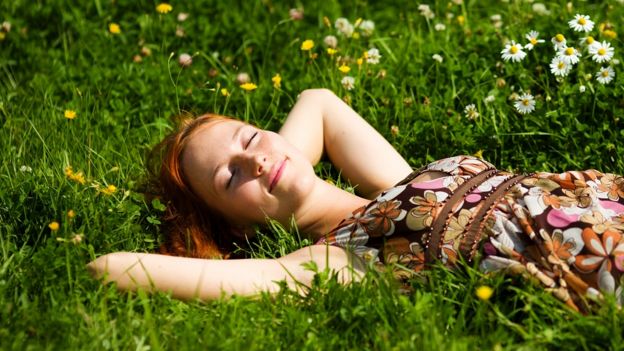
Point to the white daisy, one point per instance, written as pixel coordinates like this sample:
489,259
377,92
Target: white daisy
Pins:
525,103
559,41
348,82
581,23
533,41
605,75
582,88
373,56
589,41
569,55
559,67
471,111
601,52
513,51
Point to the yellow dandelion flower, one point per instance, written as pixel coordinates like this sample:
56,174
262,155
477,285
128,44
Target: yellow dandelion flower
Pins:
331,52
344,69
69,171
70,114
307,45
114,28
608,33
461,20
355,35
109,190
78,178
484,292
478,154
71,214
54,226
248,86
225,92
359,61
277,81
163,8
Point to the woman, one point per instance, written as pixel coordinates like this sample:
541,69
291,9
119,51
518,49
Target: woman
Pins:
222,177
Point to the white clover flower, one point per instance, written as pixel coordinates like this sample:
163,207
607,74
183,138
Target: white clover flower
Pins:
373,56
348,82
242,78
367,28
605,75
525,103
581,23
582,88
344,27
425,11
569,55
540,9
437,57
183,16
533,41
559,67
615,62
513,51
25,169
559,41
471,111
185,60
331,41
439,27
601,52
496,18
489,99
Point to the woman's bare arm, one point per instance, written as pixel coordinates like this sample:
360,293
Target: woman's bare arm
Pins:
189,278
321,122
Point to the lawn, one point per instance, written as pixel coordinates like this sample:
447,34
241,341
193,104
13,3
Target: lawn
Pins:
89,87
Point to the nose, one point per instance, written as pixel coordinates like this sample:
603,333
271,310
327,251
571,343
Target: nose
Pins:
256,163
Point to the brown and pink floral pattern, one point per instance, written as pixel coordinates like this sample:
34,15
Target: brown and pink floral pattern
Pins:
565,230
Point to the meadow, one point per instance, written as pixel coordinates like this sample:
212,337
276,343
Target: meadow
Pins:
88,88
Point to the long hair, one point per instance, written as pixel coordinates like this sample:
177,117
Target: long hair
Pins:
191,227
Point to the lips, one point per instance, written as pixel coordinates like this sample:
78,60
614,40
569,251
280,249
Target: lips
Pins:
276,174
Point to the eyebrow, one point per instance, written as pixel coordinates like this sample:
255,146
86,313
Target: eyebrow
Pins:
235,136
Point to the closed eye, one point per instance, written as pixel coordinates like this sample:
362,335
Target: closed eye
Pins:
229,182
250,139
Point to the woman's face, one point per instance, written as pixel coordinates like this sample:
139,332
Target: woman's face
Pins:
246,173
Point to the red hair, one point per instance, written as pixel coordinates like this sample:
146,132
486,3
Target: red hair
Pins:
191,227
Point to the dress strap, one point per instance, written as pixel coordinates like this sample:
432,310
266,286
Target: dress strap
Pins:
441,222
412,176
475,229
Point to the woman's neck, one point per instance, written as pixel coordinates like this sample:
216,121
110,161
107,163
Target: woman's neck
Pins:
325,207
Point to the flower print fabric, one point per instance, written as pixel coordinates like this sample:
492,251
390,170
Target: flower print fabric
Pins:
566,230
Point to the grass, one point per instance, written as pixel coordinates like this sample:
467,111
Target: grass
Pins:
60,56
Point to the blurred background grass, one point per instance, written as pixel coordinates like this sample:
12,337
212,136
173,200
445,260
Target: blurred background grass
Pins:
60,55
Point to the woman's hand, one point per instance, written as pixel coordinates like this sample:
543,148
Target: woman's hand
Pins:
189,278
320,122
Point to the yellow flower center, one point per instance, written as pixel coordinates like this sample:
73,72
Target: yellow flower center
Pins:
605,73
513,49
533,41
561,65
582,21
525,102
569,51
559,37
602,51
589,40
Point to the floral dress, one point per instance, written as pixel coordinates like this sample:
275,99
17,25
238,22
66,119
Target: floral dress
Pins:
566,230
